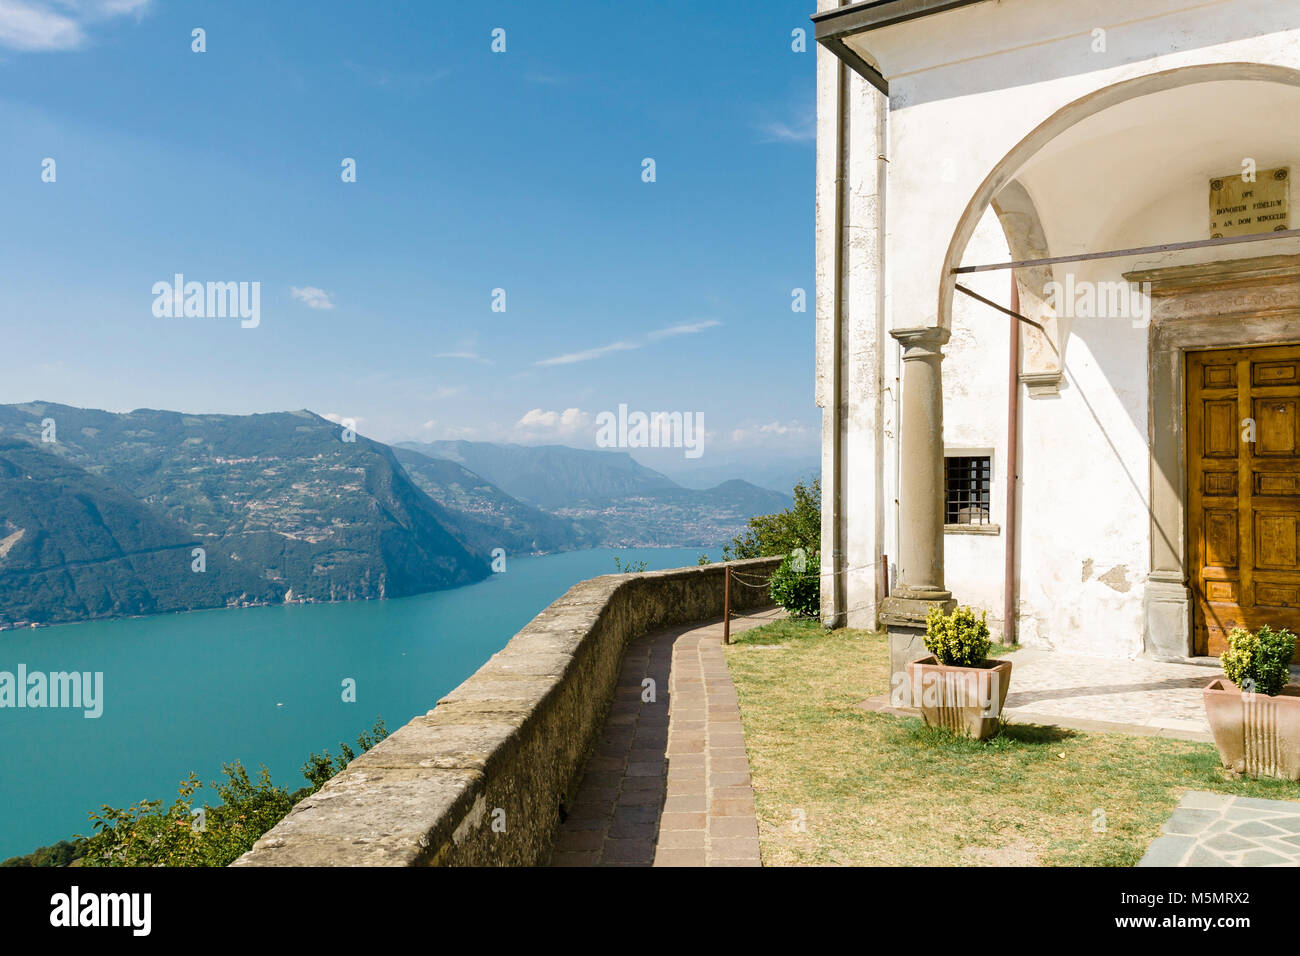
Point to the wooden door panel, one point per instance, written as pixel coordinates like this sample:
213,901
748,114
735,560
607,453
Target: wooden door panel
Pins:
1276,428
1274,484
1220,439
1275,541
1221,540
1243,494
1220,484
1219,376
1277,595
1275,373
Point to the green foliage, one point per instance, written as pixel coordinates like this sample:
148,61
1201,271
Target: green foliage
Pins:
958,639
56,854
1259,662
796,584
799,526
704,559
186,834
632,567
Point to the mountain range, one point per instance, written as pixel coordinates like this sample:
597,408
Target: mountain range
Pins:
106,514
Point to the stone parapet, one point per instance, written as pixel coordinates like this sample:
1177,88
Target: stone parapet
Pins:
483,778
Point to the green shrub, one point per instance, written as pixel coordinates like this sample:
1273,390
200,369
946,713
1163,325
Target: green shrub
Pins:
191,833
56,854
959,638
796,584
799,526
1259,662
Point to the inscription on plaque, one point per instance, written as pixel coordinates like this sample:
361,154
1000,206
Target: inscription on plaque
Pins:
1241,208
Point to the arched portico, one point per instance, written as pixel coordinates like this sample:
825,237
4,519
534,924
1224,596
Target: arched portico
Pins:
1167,108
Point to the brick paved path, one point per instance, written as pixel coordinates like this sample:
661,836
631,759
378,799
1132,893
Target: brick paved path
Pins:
668,783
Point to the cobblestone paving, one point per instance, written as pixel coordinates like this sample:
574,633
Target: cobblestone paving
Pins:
1210,829
1142,695
668,783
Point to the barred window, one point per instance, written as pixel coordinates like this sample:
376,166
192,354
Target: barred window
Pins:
967,481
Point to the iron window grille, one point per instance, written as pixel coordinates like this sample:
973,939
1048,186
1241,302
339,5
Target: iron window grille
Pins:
967,485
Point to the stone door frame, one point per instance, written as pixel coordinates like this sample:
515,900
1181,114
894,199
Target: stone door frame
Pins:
1234,303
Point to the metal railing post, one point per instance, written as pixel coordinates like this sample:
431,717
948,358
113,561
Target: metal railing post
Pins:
726,607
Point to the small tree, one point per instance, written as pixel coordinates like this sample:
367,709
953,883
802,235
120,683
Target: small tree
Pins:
799,526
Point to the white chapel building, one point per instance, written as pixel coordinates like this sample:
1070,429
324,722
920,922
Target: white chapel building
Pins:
1058,318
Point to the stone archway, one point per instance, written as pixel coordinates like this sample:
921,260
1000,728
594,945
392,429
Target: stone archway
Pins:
921,572
1004,172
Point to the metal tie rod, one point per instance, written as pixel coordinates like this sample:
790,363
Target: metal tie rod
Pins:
1001,308
1142,250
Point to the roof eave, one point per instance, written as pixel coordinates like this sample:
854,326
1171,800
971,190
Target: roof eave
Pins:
833,27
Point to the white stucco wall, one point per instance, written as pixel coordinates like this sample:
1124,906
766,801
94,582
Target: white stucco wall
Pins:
975,419
966,87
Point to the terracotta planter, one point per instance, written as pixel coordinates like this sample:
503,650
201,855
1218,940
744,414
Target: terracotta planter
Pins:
1256,734
965,700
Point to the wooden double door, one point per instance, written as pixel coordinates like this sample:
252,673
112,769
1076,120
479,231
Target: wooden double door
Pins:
1243,490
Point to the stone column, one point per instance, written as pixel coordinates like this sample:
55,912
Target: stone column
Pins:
920,501
1166,599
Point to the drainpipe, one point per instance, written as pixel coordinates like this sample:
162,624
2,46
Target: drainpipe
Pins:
1009,629
839,587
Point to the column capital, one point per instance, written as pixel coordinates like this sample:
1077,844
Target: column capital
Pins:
921,341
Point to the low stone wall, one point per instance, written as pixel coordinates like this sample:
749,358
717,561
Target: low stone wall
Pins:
481,778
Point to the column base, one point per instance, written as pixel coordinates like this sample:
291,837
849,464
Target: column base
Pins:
903,614
1167,618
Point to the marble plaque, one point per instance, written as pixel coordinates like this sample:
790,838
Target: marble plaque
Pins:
1241,208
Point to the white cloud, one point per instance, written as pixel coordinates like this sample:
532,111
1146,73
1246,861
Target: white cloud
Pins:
57,24
446,391
430,425
564,423
398,80
589,354
686,328
465,356
802,130
312,297
347,420
758,433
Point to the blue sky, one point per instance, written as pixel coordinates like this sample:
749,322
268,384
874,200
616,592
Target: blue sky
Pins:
475,171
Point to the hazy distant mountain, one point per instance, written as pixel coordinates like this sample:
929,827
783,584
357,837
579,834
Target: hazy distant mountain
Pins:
104,519
549,476
777,475
488,517
282,496
621,501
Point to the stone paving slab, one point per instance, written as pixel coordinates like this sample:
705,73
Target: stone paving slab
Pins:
668,783
1212,829
1100,694
1156,696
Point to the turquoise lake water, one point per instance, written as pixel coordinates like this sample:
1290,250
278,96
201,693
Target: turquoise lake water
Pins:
263,685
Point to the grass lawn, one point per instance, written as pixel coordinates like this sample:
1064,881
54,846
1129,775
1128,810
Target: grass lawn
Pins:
835,784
